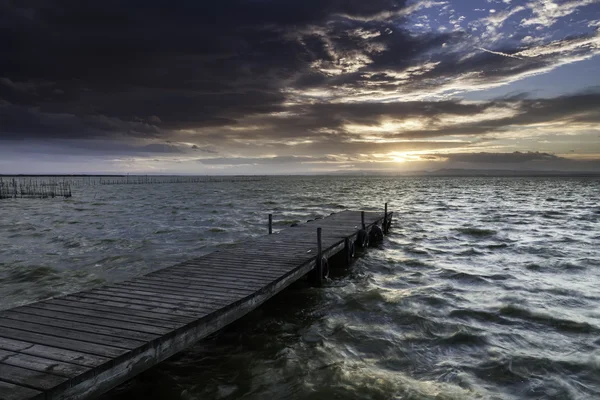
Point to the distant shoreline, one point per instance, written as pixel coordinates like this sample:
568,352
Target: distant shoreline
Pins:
437,173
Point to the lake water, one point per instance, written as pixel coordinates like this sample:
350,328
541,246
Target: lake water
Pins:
486,288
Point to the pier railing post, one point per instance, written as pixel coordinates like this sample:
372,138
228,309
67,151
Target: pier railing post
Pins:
347,250
362,219
270,224
385,225
319,264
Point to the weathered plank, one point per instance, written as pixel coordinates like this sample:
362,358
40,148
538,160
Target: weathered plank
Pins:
53,353
154,306
192,307
9,391
29,378
62,343
186,287
115,312
98,319
221,271
41,364
66,333
203,299
78,326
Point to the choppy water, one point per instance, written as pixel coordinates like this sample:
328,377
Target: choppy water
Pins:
487,288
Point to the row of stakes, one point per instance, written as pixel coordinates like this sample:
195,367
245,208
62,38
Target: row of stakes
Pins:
321,270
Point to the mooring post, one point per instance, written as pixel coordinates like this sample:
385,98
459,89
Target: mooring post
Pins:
385,229
347,250
362,219
319,264
270,224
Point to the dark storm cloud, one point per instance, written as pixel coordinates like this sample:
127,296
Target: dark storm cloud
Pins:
577,108
20,122
264,160
91,148
500,158
189,65
328,123
225,72
521,161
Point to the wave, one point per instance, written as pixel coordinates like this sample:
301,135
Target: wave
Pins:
470,252
534,267
478,315
33,274
497,246
463,277
559,324
462,338
479,232
416,263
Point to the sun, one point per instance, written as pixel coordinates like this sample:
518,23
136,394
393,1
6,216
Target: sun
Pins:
398,157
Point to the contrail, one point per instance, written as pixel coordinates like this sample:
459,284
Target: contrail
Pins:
499,53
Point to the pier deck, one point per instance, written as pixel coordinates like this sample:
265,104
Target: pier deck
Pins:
84,344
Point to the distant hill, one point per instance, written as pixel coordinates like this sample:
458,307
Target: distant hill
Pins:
501,172
469,172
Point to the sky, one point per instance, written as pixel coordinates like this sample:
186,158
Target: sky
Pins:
298,86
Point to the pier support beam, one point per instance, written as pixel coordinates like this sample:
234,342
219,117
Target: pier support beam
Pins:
385,220
349,249
316,277
270,224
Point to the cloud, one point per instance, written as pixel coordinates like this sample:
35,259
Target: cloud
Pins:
548,12
515,161
307,79
500,53
501,158
265,160
337,123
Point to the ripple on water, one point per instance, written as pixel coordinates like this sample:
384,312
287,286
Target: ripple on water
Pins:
463,277
479,315
476,232
463,338
563,325
416,263
28,273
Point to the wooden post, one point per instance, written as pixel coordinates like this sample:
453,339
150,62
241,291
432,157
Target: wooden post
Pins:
362,219
270,224
347,250
319,266
385,229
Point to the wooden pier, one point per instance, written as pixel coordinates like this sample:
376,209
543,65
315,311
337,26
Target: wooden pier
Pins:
83,344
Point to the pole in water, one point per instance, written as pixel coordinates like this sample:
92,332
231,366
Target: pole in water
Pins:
362,219
347,250
319,264
385,229
270,224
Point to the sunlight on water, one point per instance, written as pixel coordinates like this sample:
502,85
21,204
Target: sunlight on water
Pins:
487,288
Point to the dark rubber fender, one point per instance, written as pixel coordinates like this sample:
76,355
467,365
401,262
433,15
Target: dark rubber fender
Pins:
375,234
